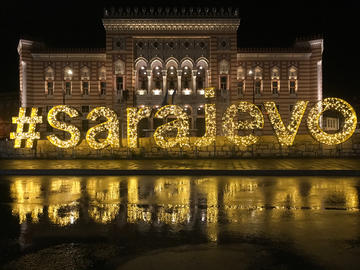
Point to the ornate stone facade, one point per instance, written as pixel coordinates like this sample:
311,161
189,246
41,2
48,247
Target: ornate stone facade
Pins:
152,54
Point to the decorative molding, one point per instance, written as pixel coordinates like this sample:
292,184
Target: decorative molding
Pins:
170,25
272,56
66,56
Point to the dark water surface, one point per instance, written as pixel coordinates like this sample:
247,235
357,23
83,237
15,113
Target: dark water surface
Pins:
179,223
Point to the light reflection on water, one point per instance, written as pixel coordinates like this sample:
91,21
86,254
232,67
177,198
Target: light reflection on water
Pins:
172,200
318,216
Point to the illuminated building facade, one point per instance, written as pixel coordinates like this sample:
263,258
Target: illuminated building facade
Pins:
160,56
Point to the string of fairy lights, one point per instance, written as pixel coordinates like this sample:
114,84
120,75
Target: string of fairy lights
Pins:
340,106
55,123
111,126
181,124
286,135
134,115
231,127
164,135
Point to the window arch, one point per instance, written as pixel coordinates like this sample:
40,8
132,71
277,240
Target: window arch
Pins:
49,81
119,67
258,80
224,67
293,80
102,80
119,71
275,80
240,76
85,78
102,74
68,75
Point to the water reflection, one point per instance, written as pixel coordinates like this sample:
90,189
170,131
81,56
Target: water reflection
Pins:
174,201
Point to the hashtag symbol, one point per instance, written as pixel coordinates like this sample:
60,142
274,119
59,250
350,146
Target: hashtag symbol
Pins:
30,136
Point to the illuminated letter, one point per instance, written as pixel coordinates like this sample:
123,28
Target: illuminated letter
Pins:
134,115
210,121
30,135
340,106
286,135
73,130
230,127
181,124
112,127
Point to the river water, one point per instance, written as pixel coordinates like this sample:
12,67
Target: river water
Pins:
180,222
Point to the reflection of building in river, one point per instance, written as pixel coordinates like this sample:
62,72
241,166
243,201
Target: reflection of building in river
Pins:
26,193
104,198
63,200
173,200
134,211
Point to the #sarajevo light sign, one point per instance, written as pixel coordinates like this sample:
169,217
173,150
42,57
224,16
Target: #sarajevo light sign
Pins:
231,125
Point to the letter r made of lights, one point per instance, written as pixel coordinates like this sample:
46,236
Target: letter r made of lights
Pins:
180,125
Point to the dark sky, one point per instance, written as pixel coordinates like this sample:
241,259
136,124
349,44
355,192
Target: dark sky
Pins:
274,24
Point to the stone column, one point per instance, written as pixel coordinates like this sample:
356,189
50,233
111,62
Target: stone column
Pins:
194,74
179,73
164,76
207,78
136,76
149,75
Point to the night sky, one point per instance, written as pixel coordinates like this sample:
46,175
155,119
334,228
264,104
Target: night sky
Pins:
66,24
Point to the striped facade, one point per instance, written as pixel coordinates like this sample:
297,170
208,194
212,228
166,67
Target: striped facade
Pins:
144,46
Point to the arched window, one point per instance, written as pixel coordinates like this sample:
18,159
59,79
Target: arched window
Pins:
119,71
102,80
68,75
186,80
224,72
49,81
240,76
171,79
85,78
275,80
157,80
258,80
293,80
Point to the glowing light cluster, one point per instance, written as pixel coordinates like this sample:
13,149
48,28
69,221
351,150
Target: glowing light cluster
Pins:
285,135
181,123
230,127
111,126
210,127
55,123
29,135
134,115
210,92
340,106
63,214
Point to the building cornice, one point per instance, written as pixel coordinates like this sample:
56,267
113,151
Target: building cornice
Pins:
272,56
69,56
171,25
